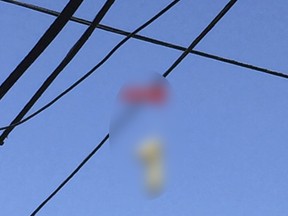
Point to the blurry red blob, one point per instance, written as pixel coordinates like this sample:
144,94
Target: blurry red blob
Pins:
151,94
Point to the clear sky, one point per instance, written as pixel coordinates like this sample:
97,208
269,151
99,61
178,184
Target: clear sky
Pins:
230,124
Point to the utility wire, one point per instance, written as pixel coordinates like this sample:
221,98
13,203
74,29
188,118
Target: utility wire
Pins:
150,40
78,82
70,176
168,71
40,46
71,54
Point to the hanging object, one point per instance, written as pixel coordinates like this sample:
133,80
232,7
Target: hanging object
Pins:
139,125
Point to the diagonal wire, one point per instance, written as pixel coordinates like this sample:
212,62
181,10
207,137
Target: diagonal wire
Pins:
40,46
70,176
70,55
107,136
150,40
168,71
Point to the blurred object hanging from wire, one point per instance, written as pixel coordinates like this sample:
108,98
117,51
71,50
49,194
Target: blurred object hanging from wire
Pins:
139,125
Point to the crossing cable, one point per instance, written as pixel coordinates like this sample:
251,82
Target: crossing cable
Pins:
40,46
89,73
168,71
151,40
70,55
200,37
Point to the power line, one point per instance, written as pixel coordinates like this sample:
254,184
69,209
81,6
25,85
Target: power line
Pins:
71,54
168,71
40,46
150,40
70,176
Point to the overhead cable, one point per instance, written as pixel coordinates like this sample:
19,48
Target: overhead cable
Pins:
40,46
151,40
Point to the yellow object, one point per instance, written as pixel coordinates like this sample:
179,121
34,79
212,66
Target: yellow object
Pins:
151,154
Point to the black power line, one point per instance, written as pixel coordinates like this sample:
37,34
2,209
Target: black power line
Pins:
71,54
70,176
40,46
150,40
169,70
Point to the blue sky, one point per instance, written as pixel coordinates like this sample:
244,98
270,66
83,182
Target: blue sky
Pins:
229,123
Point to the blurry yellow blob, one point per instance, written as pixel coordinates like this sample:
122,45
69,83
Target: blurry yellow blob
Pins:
150,153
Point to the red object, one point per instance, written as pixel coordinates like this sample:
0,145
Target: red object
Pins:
144,94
